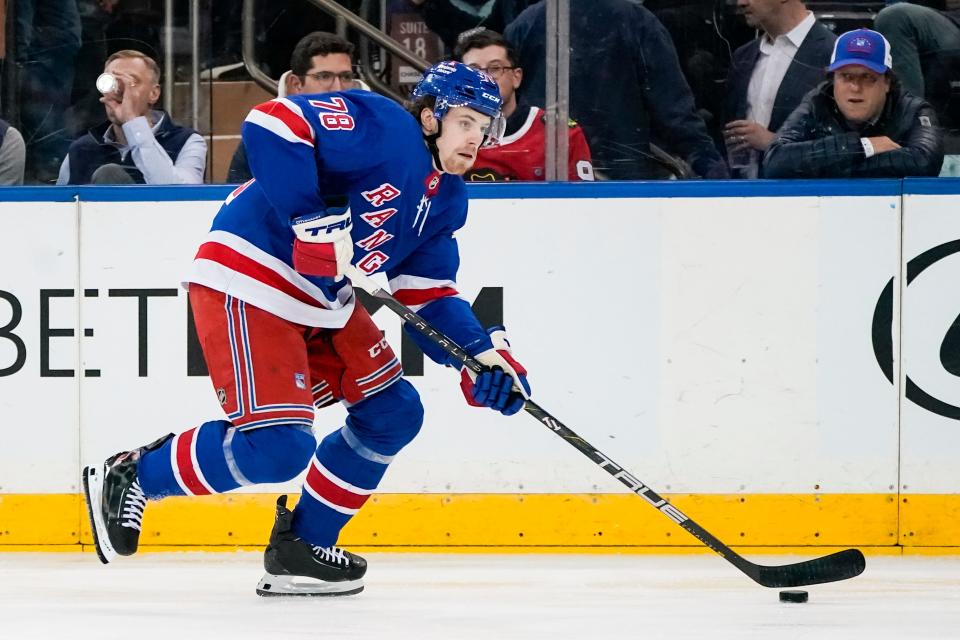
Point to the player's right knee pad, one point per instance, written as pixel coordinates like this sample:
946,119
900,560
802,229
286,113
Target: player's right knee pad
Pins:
388,421
272,454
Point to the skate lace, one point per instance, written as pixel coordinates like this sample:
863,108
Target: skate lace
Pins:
134,502
334,555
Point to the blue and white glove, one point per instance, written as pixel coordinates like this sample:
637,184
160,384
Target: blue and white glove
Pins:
503,387
323,246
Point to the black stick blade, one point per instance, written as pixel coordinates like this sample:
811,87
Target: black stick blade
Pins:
842,565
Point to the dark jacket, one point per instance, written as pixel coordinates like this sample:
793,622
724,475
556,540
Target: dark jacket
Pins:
239,171
807,70
817,142
626,87
89,152
953,15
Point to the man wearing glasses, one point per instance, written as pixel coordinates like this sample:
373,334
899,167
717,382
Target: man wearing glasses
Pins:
521,153
321,62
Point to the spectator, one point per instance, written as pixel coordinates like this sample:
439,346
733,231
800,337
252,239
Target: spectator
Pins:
770,75
703,32
927,42
12,155
625,81
859,123
520,155
321,62
137,144
449,18
47,41
921,37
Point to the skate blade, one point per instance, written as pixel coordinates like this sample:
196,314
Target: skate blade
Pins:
93,492
271,585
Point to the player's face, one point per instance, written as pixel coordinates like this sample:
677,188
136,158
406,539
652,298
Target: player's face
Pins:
493,60
860,92
333,72
463,133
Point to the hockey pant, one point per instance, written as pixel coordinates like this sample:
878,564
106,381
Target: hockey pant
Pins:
269,375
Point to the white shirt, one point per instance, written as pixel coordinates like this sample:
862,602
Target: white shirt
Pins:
153,161
775,58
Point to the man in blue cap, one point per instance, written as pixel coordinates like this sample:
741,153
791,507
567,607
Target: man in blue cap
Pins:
859,123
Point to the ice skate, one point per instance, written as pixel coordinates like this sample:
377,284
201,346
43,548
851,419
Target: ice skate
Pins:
115,503
297,568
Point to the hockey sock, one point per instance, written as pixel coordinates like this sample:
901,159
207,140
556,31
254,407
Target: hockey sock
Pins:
349,463
217,457
338,483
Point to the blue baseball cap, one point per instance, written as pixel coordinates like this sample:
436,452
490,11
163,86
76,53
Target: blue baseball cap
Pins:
863,47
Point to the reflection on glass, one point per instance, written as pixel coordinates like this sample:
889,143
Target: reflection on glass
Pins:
651,86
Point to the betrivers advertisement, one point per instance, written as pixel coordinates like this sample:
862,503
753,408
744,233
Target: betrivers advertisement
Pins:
709,346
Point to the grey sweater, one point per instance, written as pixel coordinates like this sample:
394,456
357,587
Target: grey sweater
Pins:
12,157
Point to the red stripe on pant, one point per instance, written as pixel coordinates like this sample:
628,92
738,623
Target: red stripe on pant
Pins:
185,466
334,493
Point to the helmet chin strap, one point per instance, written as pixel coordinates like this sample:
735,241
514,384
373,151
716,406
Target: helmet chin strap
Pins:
431,140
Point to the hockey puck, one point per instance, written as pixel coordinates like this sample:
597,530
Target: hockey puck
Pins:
793,596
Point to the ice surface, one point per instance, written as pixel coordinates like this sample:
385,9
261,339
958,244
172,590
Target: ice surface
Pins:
186,596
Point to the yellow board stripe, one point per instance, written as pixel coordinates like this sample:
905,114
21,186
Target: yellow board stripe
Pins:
520,521
672,550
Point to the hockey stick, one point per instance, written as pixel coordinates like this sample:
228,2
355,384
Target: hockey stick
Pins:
830,568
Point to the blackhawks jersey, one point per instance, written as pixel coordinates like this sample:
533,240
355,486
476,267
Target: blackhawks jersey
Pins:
356,148
521,153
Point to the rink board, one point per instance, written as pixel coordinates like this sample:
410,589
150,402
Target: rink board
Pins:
734,346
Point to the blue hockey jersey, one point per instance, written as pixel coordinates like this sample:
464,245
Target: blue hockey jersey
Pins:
355,147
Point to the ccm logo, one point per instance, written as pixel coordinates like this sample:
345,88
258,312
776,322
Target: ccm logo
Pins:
378,348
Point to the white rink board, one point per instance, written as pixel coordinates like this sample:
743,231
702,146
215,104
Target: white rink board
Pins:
38,413
713,345
724,344
121,408
930,440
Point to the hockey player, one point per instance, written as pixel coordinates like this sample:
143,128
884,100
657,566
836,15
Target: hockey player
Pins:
521,152
339,178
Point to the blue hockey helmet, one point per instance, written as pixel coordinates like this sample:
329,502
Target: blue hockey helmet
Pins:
455,84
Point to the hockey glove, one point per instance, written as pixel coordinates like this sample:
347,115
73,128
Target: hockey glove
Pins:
503,387
323,246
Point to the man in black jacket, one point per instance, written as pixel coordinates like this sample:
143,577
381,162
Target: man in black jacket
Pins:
859,123
626,87
770,75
